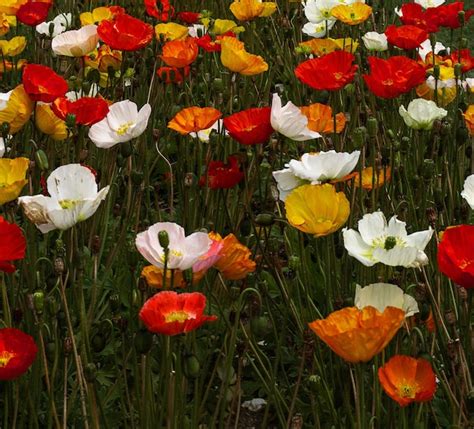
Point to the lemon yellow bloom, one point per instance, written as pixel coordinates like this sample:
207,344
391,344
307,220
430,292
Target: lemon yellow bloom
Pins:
222,26
469,119
245,10
352,14
18,109
11,7
347,44
96,16
6,21
237,59
171,31
48,123
12,178
13,47
317,209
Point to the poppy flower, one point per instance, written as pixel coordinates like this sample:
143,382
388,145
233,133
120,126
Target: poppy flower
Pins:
189,18
12,178
209,45
12,246
406,380
125,33
321,119
372,180
246,10
170,313
414,14
180,53
48,123
447,15
222,176
171,31
172,74
154,277
10,7
468,119
103,58
17,108
330,72
234,261
251,126
76,43
357,335
100,14
13,47
87,110
317,209
160,9
42,84
405,36
194,119
34,12
394,76
352,14
464,57
222,26
237,59
6,22
456,254
17,353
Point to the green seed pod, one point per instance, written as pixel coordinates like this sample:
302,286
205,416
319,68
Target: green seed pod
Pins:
192,367
428,169
462,17
164,239
50,350
265,219
90,372
372,126
359,136
260,326
294,263
349,89
52,306
42,160
38,301
405,144
143,342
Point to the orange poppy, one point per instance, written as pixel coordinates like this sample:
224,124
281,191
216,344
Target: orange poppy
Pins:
245,10
406,380
194,119
371,179
237,59
154,277
358,335
321,120
320,47
180,53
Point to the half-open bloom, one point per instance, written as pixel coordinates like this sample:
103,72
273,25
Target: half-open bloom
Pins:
17,353
194,119
237,59
12,178
99,14
406,379
15,108
374,41
250,126
370,179
468,190
12,245
421,114
163,13
171,31
13,47
42,84
321,118
76,43
74,197
469,119
86,110
170,313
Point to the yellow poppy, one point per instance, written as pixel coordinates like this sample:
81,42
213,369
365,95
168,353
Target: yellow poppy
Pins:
222,26
347,44
6,21
245,10
358,335
320,47
469,119
352,14
13,47
48,123
103,58
171,31
237,59
10,7
18,110
317,209
446,92
12,178
96,16
321,120
371,179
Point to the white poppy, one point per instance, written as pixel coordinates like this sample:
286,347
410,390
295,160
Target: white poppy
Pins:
58,25
76,95
374,41
290,122
286,182
204,135
382,295
319,11
183,252
421,114
318,30
76,43
468,190
429,3
197,30
426,48
2,147
441,84
74,197
123,123
389,244
4,97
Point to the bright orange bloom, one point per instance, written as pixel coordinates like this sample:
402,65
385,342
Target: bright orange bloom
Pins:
371,180
321,119
352,14
180,53
234,262
406,380
194,119
245,10
358,335
18,110
469,119
154,277
237,59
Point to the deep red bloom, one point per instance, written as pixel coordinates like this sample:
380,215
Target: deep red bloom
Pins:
222,176
414,14
251,126
395,76
456,255
205,42
160,9
330,72
447,14
42,84
87,110
12,245
170,313
464,57
172,74
189,17
125,33
17,353
33,12
405,36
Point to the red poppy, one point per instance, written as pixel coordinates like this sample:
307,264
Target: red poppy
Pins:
330,72
205,42
447,15
172,74
222,176
406,379
17,353
42,84
189,17
170,313
33,12
456,255
160,9
464,57
414,14
87,110
125,33
12,245
395,76
251,126
405,36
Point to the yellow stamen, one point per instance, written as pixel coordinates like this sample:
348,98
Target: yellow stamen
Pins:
176,316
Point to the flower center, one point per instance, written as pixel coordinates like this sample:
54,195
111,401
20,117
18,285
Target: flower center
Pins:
124,128
337,75
67,204
407,391
390,243
176,316
5,357
388,82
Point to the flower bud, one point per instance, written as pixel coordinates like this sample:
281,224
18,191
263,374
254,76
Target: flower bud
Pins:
428,169
164,239
59,265
114,301
126,149
42,160
192,367
462,17
358,137
38,301
457,70
265,219
372,126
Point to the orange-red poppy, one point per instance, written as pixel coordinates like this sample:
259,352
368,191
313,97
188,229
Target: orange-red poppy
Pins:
194,119
180,53
405,36
17,353
250,126
12,245
42,84
163,13
172,74
222,175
